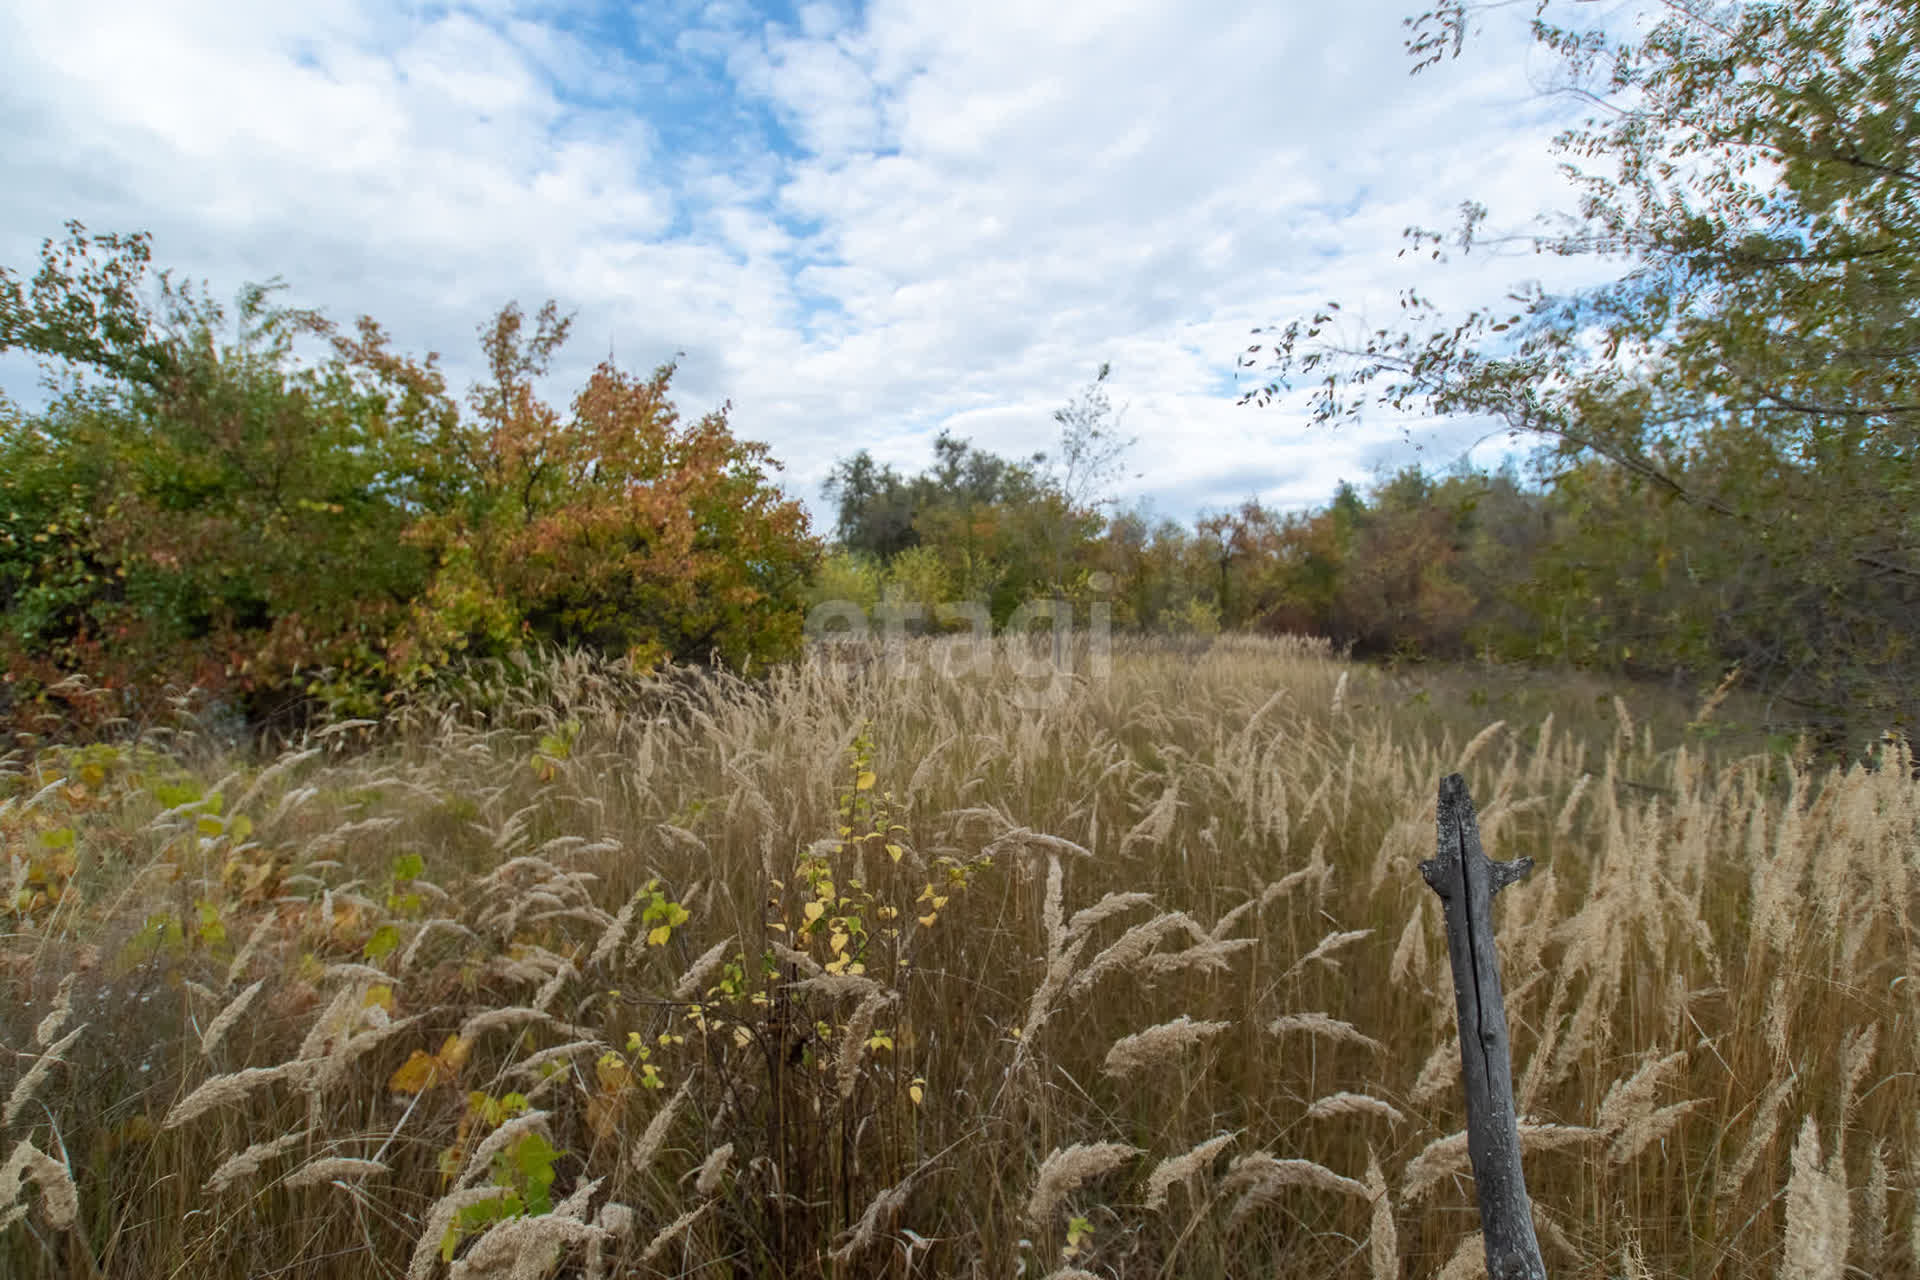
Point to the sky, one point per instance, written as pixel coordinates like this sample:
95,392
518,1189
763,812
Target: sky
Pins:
859,225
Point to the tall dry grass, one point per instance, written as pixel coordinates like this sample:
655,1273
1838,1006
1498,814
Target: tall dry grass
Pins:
891,970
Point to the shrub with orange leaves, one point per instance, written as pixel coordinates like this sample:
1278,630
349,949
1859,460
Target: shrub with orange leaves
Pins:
293,534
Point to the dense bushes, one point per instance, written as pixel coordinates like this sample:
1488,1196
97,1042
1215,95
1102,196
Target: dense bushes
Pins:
299,516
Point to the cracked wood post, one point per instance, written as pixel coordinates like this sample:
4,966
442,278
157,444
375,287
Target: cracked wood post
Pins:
1466,880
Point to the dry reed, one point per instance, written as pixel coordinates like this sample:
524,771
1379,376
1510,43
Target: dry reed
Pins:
59,1199
1065,1169
1817,1212
1170,1042
1206,840
29,1083
1183,1168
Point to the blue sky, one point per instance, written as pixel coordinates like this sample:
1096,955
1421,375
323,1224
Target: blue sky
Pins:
862,224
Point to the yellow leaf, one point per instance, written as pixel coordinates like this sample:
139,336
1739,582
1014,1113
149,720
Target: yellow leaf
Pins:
865,781
603,1114
917,1090
926,921
345,920
813,911
453,1053
838,941
658,935
613,1074
895,852
380,995
417,1074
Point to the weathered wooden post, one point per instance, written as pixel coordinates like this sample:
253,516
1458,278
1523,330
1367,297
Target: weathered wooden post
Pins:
1466,880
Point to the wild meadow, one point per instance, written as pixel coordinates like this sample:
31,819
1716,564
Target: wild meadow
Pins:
908,967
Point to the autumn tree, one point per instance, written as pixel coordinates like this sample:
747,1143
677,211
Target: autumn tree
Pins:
1756,362
1400,590
621,528
1158,573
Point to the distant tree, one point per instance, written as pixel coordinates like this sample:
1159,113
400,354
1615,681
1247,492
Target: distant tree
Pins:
917,584
1243,549
981,515
1157,567
1123,553
876,506
1400,591
1087,462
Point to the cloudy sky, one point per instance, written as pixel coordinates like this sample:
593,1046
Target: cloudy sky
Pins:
860,224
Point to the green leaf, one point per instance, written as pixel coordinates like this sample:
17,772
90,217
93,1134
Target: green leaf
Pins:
533,1158
384,942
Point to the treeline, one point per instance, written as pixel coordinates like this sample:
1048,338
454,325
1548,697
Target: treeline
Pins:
1593,566
293,517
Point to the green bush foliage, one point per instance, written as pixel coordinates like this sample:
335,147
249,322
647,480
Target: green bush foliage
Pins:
291,515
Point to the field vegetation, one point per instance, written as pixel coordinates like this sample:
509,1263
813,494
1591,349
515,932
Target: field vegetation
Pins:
909,968
516,892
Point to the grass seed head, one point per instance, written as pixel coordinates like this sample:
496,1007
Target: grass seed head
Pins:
1066,1169
29,1083
1170,1042
59,1198
57,1016
239,1169
1817,1212
1183,1168
333,1169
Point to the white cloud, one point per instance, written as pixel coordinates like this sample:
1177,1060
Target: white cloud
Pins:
860,229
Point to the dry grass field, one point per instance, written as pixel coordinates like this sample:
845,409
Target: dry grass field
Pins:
908,972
